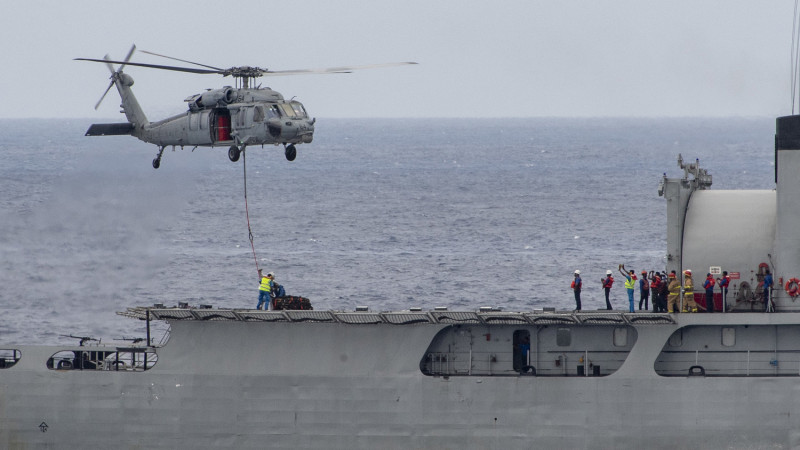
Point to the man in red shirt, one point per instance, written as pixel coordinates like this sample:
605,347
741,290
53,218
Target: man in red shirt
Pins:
607,282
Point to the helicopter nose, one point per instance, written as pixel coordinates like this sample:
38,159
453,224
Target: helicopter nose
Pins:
308,135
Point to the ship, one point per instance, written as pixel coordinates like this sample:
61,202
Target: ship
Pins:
441,379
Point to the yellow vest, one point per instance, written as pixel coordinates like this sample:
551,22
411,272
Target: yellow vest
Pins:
265,284
630,283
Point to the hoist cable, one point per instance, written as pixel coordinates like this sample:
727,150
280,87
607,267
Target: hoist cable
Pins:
246,209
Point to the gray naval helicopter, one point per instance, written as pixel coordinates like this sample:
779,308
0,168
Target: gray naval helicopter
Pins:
233,116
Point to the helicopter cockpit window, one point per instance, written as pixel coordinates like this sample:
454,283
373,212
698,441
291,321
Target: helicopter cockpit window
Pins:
299,111
287,109
273,112
258,114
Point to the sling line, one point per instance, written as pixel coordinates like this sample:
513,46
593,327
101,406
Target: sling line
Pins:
246,210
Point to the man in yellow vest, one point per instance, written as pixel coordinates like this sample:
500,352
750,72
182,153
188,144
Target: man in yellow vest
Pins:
630,284
264,290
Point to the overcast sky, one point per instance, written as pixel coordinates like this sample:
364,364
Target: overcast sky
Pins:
527,58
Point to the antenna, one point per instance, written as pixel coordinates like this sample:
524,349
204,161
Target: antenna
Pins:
795,56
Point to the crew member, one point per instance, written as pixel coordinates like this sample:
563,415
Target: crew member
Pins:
576,288
767,286
663,290
655,294
688,292
607,282
644,291
723,283
630,285
674,293
265,289
708,284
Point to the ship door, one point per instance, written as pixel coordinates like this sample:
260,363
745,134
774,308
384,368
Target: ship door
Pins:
522,351
221,125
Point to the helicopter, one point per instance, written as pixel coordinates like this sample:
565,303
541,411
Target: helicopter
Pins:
232,116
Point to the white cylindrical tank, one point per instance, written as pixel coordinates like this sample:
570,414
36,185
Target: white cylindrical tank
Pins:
734,230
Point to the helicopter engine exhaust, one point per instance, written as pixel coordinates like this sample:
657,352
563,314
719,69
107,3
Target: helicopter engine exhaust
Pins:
217,97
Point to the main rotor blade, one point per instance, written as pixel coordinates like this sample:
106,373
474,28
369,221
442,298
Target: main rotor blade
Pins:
343,69
97,105
181,60
152,66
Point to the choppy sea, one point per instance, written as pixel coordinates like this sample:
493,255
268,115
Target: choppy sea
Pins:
388,214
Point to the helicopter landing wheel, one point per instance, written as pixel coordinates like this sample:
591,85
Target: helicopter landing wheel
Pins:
291,152
233,153
157,159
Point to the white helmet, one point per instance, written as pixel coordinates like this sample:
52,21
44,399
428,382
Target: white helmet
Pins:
577,272
608,272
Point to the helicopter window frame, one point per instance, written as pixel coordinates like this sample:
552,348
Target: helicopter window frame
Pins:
299,110
273,112
258,113
288,110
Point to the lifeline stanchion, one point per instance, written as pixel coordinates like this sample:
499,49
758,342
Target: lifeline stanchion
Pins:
246,210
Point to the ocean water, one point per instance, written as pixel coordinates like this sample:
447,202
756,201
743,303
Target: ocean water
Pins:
384,213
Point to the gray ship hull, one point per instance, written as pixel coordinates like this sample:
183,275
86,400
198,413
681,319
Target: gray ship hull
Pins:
238,384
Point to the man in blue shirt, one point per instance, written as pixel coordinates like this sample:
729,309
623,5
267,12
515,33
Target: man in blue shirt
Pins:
767,288
576,288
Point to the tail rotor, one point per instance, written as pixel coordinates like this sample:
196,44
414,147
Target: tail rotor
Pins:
114,73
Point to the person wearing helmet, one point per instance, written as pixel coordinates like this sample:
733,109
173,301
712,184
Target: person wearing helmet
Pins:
607,282
674,297
630,284
576,289
264,289
688,292
644,291
655,292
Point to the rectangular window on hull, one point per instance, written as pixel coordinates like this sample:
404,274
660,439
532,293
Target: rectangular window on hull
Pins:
620,337
728,336
563,337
